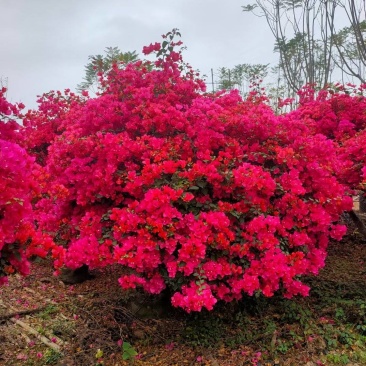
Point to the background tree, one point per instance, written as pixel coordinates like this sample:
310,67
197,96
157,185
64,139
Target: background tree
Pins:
102,64
302,39
313,44
350,41
240,76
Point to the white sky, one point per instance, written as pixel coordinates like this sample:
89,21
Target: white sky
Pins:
45,44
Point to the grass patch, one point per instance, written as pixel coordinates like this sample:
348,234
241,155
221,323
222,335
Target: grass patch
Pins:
49,312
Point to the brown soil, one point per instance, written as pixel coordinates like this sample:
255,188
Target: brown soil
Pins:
91,319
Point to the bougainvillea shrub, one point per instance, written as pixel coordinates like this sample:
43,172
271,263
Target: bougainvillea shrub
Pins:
9,113
339,113
40,126
204,194
18,186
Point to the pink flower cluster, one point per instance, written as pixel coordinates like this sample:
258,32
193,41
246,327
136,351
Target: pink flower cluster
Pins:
149,49
18,186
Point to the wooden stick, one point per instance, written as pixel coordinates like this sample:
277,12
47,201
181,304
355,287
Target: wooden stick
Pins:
39,336
31,330
21,312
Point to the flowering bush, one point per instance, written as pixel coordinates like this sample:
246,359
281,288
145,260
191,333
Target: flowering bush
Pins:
339,113
9,128
18,185
41,126
205,194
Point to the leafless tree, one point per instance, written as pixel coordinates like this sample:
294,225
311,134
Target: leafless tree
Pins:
350,41
302,32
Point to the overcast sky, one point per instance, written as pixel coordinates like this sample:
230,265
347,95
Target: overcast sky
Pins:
45,44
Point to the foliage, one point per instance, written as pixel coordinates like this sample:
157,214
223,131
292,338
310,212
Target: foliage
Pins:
100,64
49,311
313,42
51,357
237,76
350,40
128,352
203,330
301,30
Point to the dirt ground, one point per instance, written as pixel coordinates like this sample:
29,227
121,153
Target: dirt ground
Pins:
45,322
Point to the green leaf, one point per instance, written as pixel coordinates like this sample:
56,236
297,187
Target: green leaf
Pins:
202,184
128,351
193,188
99,353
